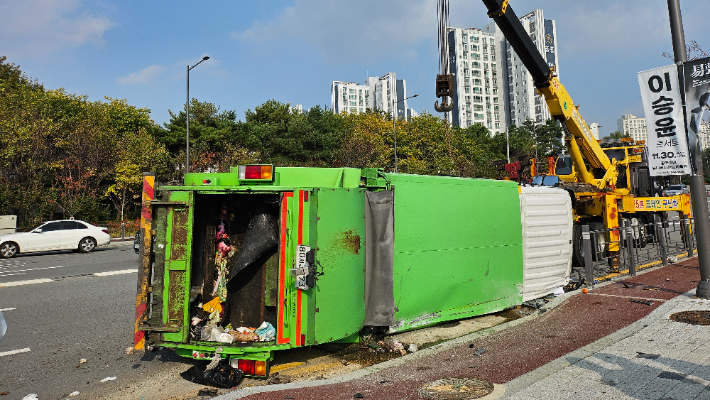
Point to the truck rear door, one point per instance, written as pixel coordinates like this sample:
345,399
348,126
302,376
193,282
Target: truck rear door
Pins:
340,257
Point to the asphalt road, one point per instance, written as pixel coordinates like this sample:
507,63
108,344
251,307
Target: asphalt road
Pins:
70,319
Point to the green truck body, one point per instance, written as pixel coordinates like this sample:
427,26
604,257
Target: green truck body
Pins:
448,248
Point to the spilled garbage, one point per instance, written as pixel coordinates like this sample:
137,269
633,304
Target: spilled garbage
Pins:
208,316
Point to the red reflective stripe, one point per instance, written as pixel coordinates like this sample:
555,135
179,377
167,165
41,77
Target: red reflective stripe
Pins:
282,269
298,292
298,318
300,217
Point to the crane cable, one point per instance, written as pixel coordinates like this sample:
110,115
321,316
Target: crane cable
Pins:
442,11
444,80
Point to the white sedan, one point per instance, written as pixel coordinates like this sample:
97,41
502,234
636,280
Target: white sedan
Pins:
55,235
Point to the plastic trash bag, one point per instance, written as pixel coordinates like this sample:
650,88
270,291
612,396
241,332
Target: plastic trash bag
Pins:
222,376
262,235
266,332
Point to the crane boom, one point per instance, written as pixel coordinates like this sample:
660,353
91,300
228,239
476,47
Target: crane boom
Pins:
582,145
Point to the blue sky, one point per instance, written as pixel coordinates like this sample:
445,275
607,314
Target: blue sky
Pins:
292,50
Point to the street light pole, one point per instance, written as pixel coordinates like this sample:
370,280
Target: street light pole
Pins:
697,182
394,129
187,109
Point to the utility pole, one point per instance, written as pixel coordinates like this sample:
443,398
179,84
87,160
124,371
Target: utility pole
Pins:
697,181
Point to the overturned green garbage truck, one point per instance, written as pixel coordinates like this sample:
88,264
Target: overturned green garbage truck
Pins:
263,258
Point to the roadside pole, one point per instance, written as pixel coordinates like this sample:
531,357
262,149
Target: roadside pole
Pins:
697,182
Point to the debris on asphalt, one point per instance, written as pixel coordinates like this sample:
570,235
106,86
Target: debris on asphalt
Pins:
289,397
358,396
82,361
223,375
207,392
4,393
31,396
479,351
647,356
646,302
276,379
129,350
108,378
74,393
412,348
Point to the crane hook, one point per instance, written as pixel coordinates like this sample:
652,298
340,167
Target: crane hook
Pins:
444,107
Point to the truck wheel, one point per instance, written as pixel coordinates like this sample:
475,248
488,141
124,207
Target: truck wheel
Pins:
640,239
598,240
577,246
598,243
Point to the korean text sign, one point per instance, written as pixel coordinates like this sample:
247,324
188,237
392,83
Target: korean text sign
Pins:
667,143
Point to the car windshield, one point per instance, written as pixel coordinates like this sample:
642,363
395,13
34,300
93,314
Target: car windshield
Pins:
537,181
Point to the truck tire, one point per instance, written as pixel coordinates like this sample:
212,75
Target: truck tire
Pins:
598,240
640,239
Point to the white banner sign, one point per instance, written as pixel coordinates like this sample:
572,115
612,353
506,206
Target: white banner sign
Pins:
667,144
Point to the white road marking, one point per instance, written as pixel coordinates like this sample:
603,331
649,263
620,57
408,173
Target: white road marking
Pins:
7,309
20,283
109,273
34,281
25,270
11,352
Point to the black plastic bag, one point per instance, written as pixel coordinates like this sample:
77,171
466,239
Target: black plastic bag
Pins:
222,376
262,235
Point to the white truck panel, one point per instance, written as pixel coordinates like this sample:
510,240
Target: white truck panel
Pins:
546,217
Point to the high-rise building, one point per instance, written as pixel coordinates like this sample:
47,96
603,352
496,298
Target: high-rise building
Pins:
376,94
633,126
477,91
521,99
704,135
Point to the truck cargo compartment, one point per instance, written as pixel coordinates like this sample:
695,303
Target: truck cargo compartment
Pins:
236,236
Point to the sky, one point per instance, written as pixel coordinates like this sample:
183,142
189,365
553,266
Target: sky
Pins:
291,50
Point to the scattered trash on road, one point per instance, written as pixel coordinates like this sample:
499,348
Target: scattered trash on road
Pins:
108,378
222,376
646,302
74,393
31,396
276,379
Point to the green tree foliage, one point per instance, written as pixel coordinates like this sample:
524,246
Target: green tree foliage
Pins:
616,135
284,136
60,152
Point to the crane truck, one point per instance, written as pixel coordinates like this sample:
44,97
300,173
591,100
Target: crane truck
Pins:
609,186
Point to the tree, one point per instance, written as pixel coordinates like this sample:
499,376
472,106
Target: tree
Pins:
286,137
616,135
137,153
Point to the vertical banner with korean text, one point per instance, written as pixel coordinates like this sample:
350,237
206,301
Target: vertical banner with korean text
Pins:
667,143
697,102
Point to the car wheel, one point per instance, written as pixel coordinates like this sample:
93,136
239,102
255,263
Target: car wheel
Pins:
87,244
9,250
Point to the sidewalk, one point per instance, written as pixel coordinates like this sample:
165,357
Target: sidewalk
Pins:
583,346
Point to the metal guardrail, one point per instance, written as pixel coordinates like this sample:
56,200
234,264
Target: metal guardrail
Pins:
640,246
